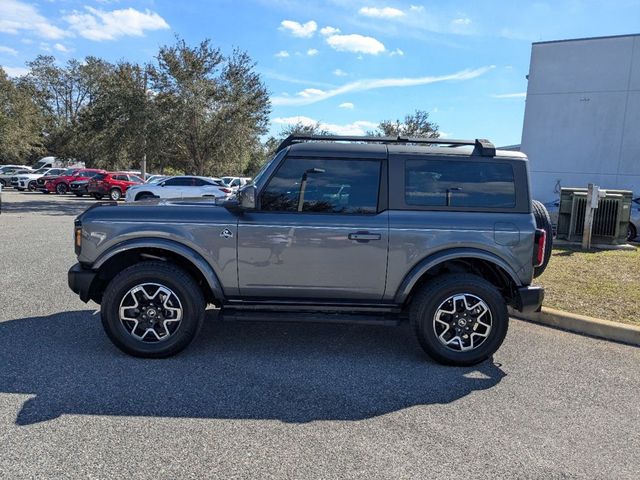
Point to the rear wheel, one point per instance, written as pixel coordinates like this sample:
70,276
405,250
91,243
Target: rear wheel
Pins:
97,196
115,194
152,309
32,186
77,194
459,319
61,188
543,221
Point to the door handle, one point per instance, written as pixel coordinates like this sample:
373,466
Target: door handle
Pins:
364,236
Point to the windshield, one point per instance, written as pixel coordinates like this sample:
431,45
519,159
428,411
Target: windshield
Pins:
264,168
69,171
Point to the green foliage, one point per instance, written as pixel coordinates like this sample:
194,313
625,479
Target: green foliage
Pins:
21,123
413,125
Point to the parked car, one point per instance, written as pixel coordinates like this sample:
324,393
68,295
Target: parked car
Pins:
29,181
9,171
79,187
179,187
457,241
113,184
60,184
235,182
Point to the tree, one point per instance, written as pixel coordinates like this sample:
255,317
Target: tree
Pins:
21,124
217,107
413,125
299,128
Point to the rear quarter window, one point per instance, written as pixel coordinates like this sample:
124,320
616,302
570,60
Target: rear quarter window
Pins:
459,183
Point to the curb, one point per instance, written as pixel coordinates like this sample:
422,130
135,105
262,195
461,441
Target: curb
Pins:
573,322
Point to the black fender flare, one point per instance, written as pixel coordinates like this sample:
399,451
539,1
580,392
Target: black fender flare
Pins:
172,246
426,264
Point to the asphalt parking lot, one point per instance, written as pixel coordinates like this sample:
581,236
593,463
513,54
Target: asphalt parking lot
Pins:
265,400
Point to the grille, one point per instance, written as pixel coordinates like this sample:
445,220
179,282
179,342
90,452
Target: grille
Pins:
605,217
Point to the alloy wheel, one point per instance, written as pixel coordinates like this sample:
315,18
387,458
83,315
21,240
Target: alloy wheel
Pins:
462,322
150,312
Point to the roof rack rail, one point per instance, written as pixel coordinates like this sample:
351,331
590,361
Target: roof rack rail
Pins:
484,147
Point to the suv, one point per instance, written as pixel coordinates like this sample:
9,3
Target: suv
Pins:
361,229
113,184
60,184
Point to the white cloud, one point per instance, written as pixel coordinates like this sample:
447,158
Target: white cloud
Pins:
340,73
347,105
326,31
61,48
461,21
311,92
312,52
355,43
416,8
282,54
510,95
17,16
15,71
386,12
8,50
297,29
397,52
358,127
371,84
101,25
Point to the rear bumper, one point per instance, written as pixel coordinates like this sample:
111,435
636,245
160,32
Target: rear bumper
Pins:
528,299
80,280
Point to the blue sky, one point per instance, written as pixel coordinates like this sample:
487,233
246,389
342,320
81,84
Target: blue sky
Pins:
348,64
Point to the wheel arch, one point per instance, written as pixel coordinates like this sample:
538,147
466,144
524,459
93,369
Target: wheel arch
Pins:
469,260
127,253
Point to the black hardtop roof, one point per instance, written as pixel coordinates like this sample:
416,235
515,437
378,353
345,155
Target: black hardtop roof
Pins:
378,147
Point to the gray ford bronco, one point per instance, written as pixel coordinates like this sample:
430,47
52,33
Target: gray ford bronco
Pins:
439,232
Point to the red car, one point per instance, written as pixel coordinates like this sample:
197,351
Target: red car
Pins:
61,183
113,184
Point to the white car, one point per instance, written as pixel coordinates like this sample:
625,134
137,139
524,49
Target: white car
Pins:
28,181
8,171
179,187
235,182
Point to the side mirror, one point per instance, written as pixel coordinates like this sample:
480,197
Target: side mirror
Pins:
245,200
162,184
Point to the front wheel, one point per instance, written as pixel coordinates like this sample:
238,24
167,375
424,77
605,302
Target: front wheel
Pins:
77,194
32,186
459,319
61,188
152,309
632,233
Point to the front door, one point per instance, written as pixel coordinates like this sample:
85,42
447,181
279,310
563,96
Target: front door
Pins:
317,233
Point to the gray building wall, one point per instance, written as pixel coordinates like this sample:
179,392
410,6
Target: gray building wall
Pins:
582,115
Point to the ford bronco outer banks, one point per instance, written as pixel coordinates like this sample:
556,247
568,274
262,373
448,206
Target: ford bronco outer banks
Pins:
365,229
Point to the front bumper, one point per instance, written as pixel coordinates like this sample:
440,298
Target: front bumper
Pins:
528,299
80,280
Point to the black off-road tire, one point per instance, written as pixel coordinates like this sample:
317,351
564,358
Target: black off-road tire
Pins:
543,221
426,302
172,277
632,233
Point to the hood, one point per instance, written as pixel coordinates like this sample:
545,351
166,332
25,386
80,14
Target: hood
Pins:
187,210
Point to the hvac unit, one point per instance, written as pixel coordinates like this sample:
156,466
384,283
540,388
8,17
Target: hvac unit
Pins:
610,219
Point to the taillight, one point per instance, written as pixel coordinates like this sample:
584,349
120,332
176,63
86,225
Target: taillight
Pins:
225,190
541,241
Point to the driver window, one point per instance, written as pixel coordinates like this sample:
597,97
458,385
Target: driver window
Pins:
331,186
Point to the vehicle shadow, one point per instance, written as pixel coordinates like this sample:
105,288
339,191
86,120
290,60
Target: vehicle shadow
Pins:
283,371
45,207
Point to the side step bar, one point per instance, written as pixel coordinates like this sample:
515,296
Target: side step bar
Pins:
232,315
